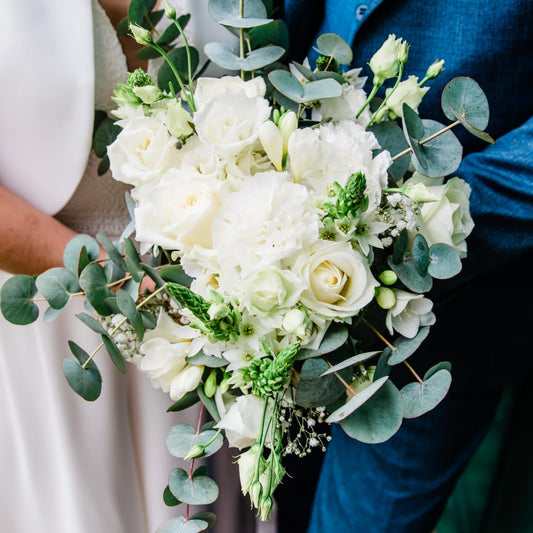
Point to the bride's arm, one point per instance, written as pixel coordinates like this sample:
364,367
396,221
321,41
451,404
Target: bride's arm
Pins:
30,240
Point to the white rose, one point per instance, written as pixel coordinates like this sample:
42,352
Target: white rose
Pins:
196,159
178,213
408,92
142,152
242,421
230,121
447,220
339,281
410,312
270,289
208,88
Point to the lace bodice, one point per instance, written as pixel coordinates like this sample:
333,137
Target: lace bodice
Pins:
98,203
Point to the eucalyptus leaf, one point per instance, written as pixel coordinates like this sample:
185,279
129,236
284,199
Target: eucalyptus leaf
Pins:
332,45
405,347
472,129
104,135
420,253
57,285
378,419
209,404
149,320
227,13
356,401
409,276
465,96
419,398
138,9
182,438
400,248
316,389
16,300
111,250
153,274
178,57
73,249
92,323
87,382
93,281
169,498
206,516
288,85
114,353
190,398
51,314
223,55
133,261
129,310
175,274
413,126
181,525
336,335
171,31
200,490
383,368
350,362
257,59
446,365
391,138
445,261
275,32
207,360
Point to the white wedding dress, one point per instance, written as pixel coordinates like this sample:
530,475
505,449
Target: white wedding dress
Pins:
67,465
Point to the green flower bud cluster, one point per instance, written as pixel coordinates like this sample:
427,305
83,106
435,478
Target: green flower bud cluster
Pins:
128,93
327,63
218,320
270,374
350,198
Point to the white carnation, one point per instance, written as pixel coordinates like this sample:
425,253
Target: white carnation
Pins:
208,88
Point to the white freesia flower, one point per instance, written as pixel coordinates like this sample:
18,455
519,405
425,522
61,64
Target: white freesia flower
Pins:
142,152
262,224
230,121
242,421
447,220
409,313
408,92
208,88
338,278
333,152
178,212
187,380
272,141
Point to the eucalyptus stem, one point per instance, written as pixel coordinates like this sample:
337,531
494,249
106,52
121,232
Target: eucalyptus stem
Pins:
412,370
384,103
427,139
378,334
121,323
241,36
343,381
191,469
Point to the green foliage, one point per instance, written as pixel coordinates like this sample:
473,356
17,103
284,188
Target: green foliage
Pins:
227,13
78,251
133,261
409,275
182,438
57,285
332,45
223,55
391,136
406,347
288,85
16,300
182,525
334,338
93,281
445,262
350,362
87,382
420,254
190,398
129,310
210,361
179,59
114,353
209,404
112,251
200,490
379,418
169,498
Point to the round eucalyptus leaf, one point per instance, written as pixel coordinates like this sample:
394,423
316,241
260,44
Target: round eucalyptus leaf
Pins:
16,300
200,490
206,516
111,250
181,525
420,253
332,45
227,13
190,398
315,389
222,54
391,138
287,84
419,398
182,437
465,96
261,57
335,337
413,126
383,368
93,281
207,360
445,261
356,401
169,498
400,248
175,274
446,365
472,129
85,382
404,347
440,156
73,249
114,353
323,74
319,89
51,314
378,419
57,285
351,361
410,277
303,70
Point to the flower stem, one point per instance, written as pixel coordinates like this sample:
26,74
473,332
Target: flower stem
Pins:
384,103
189,63
370,97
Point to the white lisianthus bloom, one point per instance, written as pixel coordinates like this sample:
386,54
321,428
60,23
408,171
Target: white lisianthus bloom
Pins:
164,350
269,289
408,92
338,278
384,63
409,313
208,88
448,219
252,160
262,224
142,152
346,106
230,121
197,159
178,212
177,120
242,421
334,151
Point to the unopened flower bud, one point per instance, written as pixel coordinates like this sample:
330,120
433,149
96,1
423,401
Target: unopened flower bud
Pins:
248,465
148,94
288,124
141,35
419,193
265,508
170,12
196,451
385,297
403,52
272,141
384,63
295,321
435,69
256,491
218,311
388,277
210,385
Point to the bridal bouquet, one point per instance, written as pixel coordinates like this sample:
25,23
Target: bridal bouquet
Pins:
291,223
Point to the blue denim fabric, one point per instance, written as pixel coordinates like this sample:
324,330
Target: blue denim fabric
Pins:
483,315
